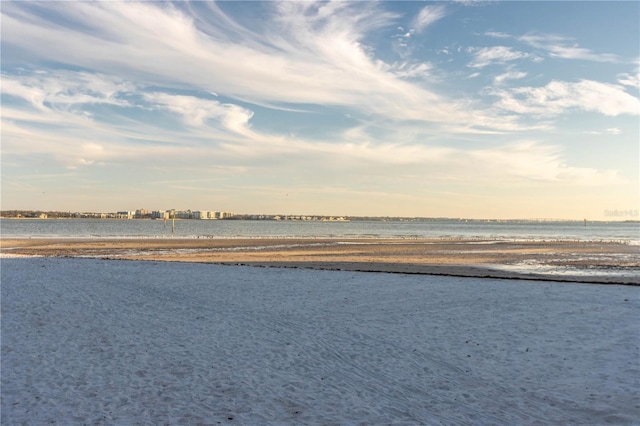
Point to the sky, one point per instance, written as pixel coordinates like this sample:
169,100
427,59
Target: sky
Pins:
432,109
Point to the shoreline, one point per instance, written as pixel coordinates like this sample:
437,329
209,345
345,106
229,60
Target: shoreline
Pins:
560,261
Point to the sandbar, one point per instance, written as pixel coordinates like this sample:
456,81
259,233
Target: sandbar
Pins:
570,261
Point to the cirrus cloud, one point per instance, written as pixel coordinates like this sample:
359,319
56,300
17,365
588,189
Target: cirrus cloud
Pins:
485,56
563,47
427,16
323,91
559,96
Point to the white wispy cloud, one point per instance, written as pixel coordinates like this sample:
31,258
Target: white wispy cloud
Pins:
309,53
525,161
563,47
311,56
511,75
495,54
197,111
156,67
559,96
67,149
534,161
66,88
631,80
411,70
428,15
497,34
613,131
83,144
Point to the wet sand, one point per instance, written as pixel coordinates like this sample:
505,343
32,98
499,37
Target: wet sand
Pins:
572,261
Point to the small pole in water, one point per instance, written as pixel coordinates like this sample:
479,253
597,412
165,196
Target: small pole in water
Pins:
173,223
585,223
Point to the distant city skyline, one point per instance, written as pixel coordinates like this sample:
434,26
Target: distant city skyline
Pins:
631,215
500,110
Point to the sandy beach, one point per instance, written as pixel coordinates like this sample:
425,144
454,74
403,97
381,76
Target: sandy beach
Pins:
298,331
112,342
570,261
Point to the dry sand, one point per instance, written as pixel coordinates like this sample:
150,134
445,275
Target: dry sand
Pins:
575,261
101,342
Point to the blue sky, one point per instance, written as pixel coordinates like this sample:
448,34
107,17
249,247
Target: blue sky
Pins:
457,109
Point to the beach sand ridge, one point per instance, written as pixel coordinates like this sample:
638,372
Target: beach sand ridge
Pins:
573,261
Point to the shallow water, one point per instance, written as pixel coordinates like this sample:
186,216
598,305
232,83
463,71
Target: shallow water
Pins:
538,267
514,230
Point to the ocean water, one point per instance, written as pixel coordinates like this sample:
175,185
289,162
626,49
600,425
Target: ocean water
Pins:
628,232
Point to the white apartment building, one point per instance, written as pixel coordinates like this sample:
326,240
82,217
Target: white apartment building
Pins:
201,214
125,214
222,215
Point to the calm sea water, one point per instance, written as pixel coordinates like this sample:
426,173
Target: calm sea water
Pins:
67,228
